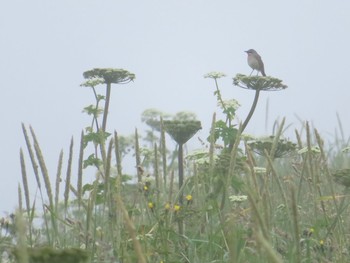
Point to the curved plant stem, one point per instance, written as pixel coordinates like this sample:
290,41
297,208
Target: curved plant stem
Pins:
252,109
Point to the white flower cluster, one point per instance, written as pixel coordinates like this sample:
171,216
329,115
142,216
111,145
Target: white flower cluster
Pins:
238,198
229,104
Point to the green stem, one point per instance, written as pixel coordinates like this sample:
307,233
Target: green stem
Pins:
181,171
218,95
181,181
105,112
250,114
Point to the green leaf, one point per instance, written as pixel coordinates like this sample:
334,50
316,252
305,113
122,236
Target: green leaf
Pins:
92,110
225,133
96,137
92,161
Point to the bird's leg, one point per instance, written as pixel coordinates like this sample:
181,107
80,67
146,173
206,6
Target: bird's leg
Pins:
252,72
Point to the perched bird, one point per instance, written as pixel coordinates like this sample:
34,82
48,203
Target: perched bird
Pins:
255,62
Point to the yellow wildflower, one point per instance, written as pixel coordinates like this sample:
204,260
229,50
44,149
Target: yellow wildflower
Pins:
189,198
177,208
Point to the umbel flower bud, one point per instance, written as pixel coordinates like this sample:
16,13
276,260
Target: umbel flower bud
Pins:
258,83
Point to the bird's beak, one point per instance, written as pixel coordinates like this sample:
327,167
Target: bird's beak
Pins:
246,51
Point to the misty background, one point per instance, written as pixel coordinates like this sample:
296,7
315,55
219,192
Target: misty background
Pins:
170,45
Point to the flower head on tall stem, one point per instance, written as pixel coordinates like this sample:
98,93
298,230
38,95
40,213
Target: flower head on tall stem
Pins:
107,76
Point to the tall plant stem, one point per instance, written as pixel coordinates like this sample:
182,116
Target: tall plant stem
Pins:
94,120
252,109
229,117
181,170
105,112
181,181
218,94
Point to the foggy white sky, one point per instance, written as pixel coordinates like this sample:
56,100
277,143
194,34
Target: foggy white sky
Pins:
46,46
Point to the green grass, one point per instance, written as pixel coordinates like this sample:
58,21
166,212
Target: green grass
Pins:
294,212
269,200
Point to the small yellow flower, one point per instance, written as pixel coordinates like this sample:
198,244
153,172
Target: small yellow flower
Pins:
321,242
145,188
311,230
167,206
177,208
150,205
189,198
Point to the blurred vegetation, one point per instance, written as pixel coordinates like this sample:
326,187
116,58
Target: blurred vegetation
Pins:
237,199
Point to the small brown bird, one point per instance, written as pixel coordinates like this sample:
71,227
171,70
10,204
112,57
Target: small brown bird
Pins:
255,62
